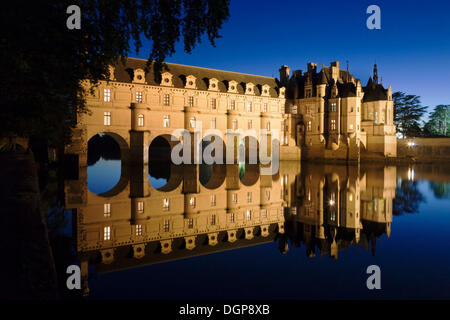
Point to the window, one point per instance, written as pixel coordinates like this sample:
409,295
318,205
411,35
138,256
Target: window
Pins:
139,229
213,220
265,107
140,206
166,99
107,118
140,120
333,124
309,110
166,226
294,109
192,122
138,96
350,197
248,215
333,107
107,210
333,215
267,194
166,204
192,202
107,233
191,101
249,124
213,103
213,200
308,93
249,106
308,126
235,124
232,105
268,125
249,197
166,121
235,198
232,217
351,126
351,109
375,120
383,116
213,123
264,213
190,223
107,95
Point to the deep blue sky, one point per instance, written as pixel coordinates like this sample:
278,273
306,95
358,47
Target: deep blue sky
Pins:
412,49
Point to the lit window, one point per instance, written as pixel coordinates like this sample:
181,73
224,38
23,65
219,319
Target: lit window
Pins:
248,215
166,100
166,121
166,204
350,197
249,106
213,200
232,217
294,109
267,194
107,95
235,124
191,223
107,118
192,122
232,104
265,107
375,120
268,125
264,213
140,120
333,124
107,210
139,97
351,126
191,101
249,197
213,103
213,123
235,198
166,226
333,215
213,220
139,229
192,202
309,126
140,206
249,124
333,107
107,233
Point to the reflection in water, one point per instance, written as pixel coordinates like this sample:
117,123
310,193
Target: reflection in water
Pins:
407,197
441,190
212,208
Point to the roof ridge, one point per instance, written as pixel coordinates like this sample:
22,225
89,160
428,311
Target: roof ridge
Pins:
185,65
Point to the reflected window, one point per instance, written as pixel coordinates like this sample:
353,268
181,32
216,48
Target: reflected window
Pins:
267,194
107,210
268,125
213,220
192,202
107,118
232,217
249,124
140,120
139,229
107,95
333,215
166,204
192,122
140,206
235,198
213,200
248,215
107,233
166,226
190,223
333,124
249,197
308,126
213,123
235,124
139,97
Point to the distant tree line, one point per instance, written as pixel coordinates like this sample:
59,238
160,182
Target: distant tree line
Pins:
408,117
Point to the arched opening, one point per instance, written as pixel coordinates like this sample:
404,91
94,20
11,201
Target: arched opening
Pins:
107,153
248,173
162,173
248,150
212,176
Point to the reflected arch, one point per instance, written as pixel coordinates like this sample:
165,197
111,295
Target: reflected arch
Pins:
248,173
212,176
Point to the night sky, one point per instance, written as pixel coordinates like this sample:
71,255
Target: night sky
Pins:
412,49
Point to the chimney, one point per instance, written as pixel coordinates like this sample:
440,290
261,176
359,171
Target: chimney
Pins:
284,75
335,70
312,67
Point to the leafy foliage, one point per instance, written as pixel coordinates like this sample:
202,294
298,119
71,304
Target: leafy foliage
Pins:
407,114
439,123
42,62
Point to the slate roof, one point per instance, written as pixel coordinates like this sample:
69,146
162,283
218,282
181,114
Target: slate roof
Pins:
180,72
374,91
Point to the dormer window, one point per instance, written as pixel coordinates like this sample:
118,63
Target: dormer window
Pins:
308,93
282,92
111,73
213,84
191,82
166,79
232,86
139,76
265,90
249,88
139,97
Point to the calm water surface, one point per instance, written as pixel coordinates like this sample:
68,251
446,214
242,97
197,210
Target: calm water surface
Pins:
326,225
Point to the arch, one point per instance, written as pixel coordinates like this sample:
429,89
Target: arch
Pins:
109,146
161,147
248,173
249,149
212,176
